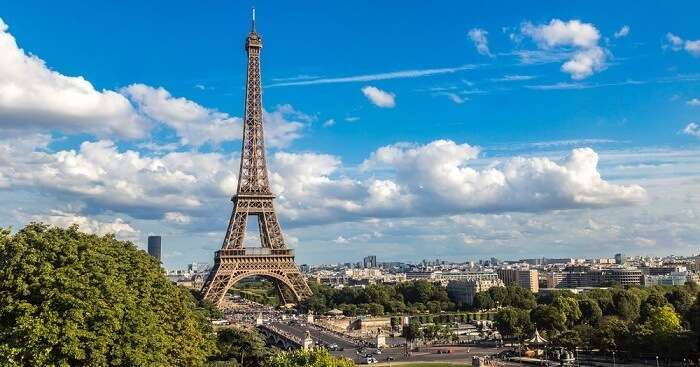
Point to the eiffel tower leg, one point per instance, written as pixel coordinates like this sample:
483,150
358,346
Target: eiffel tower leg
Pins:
271,231
281,291
236,229
218,282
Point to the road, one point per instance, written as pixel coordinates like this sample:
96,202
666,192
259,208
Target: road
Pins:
397,354
299,330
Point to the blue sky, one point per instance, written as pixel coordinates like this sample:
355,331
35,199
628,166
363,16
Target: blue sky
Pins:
358,94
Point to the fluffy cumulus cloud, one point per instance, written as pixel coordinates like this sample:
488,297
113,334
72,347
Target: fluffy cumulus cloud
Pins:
481,42
196,125
693,102
379,97
34,97
400,180
676,43
692,129
118,226
107,179
577,40
438,173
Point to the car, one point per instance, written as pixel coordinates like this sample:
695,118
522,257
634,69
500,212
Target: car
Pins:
389,358
371,360
368,355
379,351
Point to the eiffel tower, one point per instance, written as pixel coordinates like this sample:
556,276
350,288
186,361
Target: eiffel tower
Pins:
273,260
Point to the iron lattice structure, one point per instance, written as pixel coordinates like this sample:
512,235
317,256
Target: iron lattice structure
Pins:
273,260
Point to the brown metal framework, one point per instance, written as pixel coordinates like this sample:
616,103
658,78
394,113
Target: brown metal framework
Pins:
254,197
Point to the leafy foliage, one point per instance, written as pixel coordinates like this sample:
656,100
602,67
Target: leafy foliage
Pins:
308,358
514,322
414,297
246,347
72,299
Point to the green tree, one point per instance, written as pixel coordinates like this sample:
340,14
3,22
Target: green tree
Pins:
483,301
548,318
681,299
520,297
375,309
653,301
664,320
72,299
611,333
307,358
513,323
569,339
412,331
590,311
569,307
241,345
626,305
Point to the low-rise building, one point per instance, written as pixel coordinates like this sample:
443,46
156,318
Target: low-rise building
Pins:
463,291
526,278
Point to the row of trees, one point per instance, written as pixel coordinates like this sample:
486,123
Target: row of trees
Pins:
409,297
662,320
69,298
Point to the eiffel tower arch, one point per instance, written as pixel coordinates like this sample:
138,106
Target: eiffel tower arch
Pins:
254,197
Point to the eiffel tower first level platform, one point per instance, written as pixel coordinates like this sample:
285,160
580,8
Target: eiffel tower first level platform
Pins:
273,260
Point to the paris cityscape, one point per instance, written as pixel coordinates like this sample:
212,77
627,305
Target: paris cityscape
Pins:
338,184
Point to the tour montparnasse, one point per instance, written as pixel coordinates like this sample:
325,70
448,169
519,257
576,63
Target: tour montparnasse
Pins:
273,260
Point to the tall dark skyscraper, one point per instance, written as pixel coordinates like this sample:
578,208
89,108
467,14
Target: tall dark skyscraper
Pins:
154,246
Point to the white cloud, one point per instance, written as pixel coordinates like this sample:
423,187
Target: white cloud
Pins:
676,43
107,179
693,102
692,129
196,125
478,36
623,32
402,74
340,240
693,47
438,176
177,218
284,125
379,97
454,97
586,56
34,97
398,180
511,78
118,226
329,123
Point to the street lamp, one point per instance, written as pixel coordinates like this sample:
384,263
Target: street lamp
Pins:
614,359
657,361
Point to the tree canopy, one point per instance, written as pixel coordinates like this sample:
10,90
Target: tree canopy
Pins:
308,358
73,299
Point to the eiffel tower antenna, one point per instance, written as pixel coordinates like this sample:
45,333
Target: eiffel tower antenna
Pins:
273,260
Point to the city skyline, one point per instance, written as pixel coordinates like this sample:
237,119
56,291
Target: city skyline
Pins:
554,132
